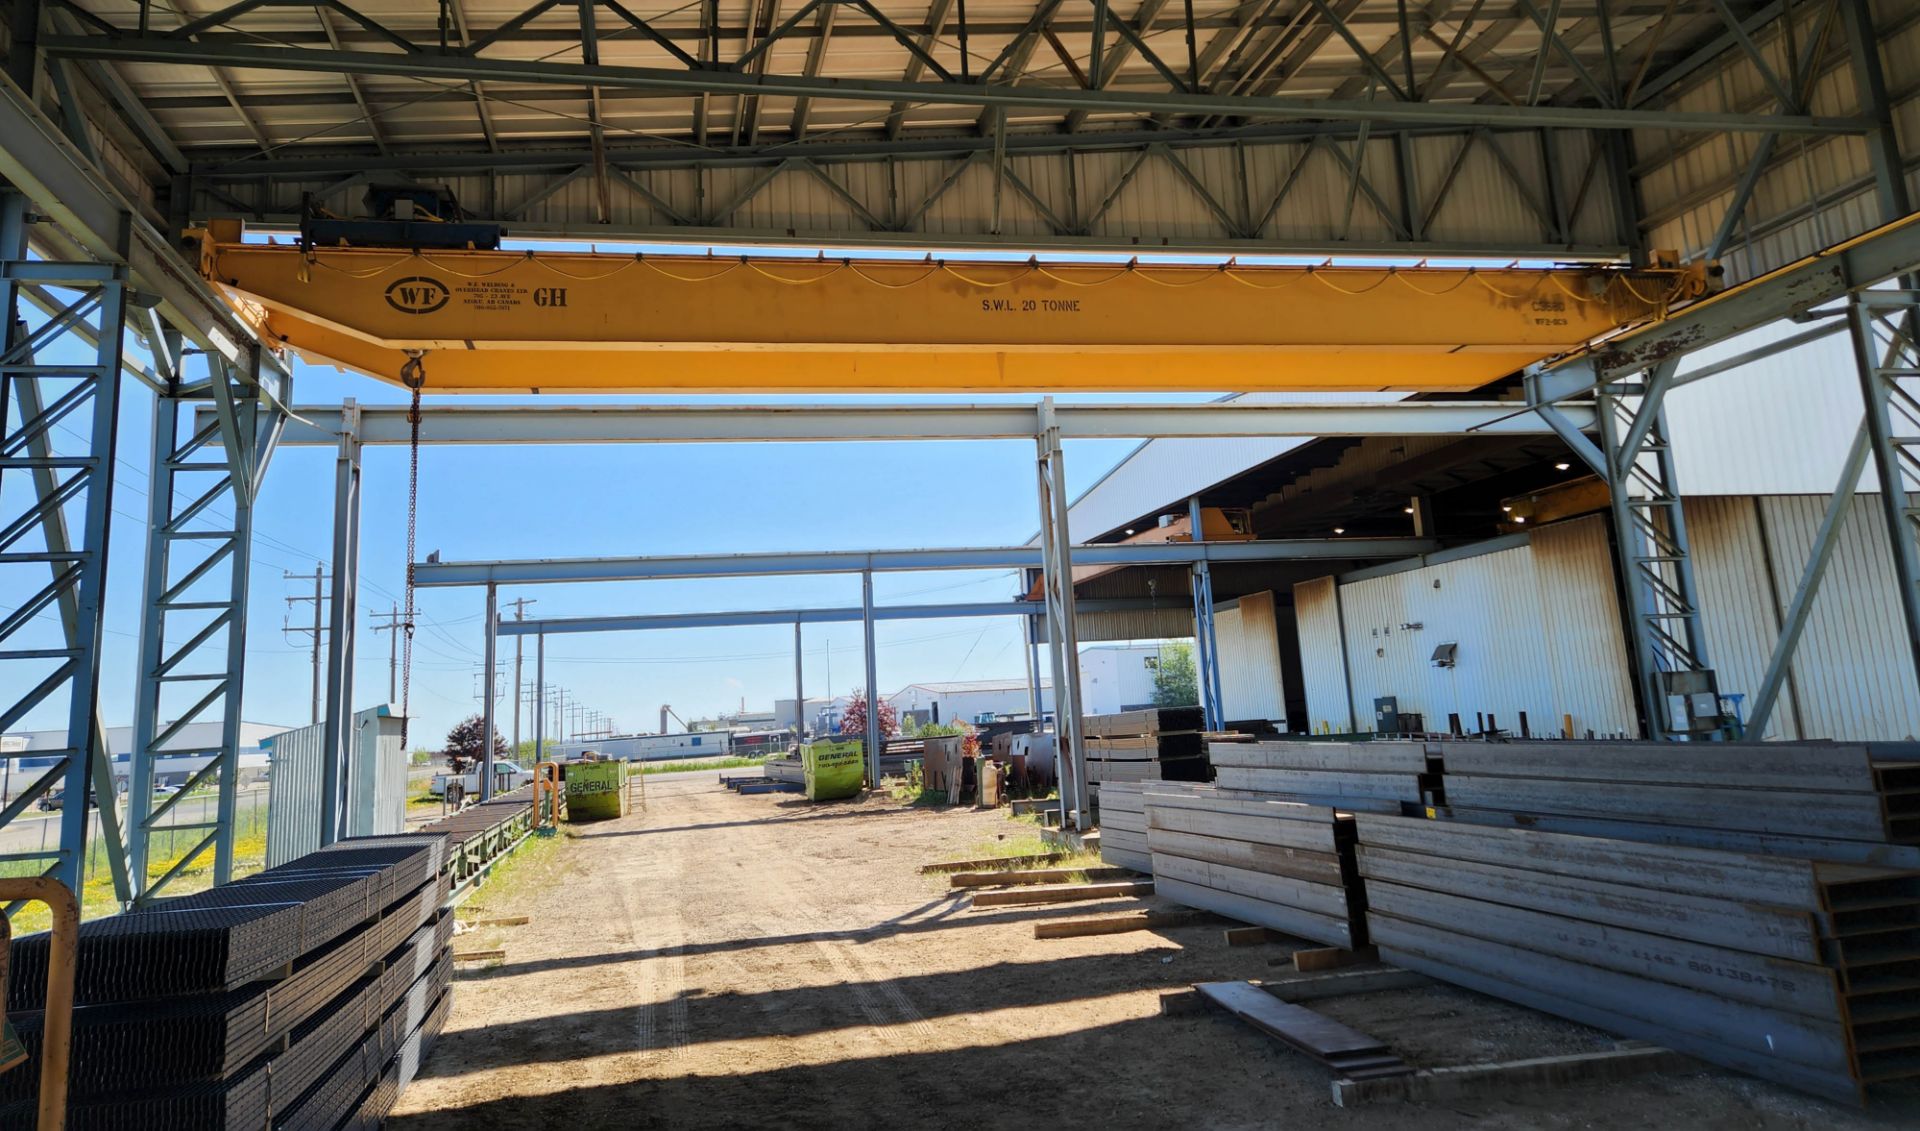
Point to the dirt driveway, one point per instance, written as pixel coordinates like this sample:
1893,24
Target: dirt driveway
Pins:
728,961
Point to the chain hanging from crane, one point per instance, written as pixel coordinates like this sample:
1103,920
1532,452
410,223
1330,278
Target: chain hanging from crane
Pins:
414,374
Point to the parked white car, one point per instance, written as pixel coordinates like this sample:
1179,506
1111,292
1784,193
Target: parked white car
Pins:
507,774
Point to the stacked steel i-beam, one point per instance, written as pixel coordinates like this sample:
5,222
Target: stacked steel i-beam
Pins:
1379,777
301,997
1791,969
1754,904
1151,744
1272,863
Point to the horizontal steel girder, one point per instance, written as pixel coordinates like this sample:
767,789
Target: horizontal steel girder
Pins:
1788,292
320,425
557,626
467,68
93,220
559,570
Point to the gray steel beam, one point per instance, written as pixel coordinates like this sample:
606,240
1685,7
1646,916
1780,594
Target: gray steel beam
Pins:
1815,281
492,634
647,622
541,571
876,741
734,83
319,425
342,620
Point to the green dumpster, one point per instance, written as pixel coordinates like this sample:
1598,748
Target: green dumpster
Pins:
596,791
833,769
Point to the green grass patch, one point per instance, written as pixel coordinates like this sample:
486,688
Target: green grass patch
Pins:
524,869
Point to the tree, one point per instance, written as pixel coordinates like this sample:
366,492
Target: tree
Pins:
466,741
853,720
1176,683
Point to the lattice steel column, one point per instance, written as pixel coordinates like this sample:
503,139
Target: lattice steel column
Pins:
1651,532
1063,640
1888,361
62,372
194,612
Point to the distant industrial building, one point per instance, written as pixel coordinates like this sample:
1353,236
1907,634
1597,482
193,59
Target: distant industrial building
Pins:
969,700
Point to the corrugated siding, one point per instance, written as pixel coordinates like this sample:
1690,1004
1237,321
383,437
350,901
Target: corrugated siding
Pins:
1780,425
377,797
1738,615
1587,642
293,797
1316,613
1251,686
1851,669
1531,637
1171,623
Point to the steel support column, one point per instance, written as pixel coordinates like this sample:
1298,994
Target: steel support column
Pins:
342,618
1030,651
194,614
35,396
1888,361
799,687
874,738
487,678
1206,643
1651,547
1056,543
540,698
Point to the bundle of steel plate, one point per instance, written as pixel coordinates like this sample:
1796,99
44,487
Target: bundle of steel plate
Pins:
1272,863
1794,970
1855,802
282,1000
1123,826
1152,744
1379,777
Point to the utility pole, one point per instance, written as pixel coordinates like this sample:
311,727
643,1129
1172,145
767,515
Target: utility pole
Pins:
392,627
317,630
519,613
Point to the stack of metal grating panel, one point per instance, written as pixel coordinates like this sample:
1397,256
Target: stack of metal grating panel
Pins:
1379,777
1151,744
1803,972
1273,863
292,998
1123,826
1854,802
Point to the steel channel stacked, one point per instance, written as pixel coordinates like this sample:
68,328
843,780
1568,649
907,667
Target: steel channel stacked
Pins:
1152,744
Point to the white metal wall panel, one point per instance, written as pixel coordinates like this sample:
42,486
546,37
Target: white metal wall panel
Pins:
1514,653
1738,613
1587,644
1323,669
1251,685
1851,669
1780,425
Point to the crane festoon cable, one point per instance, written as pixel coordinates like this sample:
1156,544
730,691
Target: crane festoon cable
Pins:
413,374
1057,273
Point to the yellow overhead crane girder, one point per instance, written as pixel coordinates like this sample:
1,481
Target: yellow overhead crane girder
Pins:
551,321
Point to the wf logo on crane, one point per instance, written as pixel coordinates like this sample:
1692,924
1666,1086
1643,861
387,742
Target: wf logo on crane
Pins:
417,294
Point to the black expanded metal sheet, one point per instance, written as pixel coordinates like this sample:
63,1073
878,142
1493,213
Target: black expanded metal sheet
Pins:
412,1020
231,935
132,1046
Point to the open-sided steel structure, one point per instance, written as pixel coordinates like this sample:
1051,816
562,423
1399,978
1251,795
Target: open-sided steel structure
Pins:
1591,131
